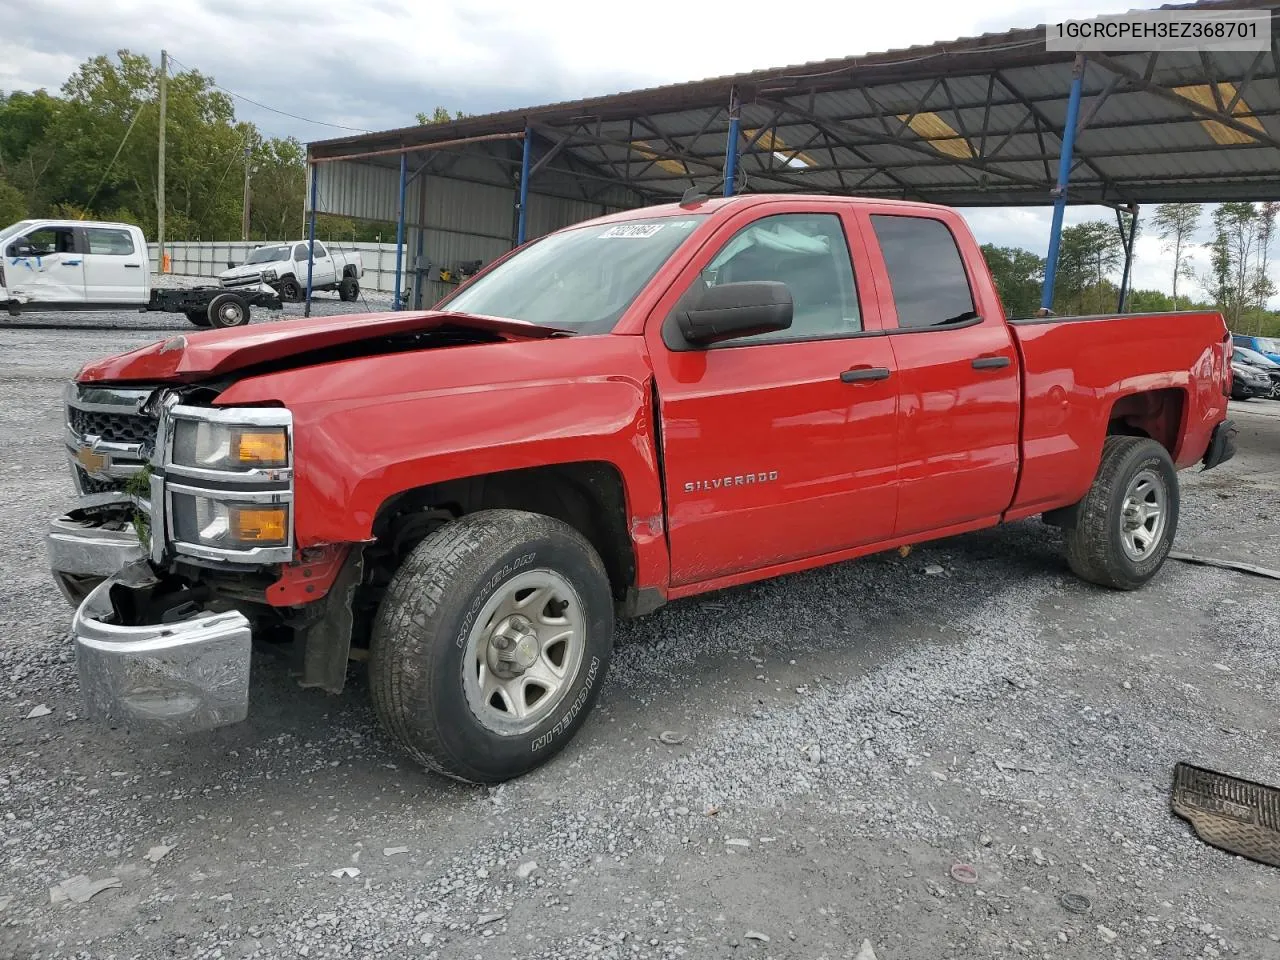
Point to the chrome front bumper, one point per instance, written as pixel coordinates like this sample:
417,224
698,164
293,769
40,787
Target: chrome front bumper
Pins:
172,678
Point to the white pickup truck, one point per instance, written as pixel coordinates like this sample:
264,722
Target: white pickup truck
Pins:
80,265
283,266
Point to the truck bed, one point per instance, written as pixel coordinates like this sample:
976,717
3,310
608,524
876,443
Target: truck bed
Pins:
1160,374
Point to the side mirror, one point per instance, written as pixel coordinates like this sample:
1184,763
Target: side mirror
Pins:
21,249
231,264
734,310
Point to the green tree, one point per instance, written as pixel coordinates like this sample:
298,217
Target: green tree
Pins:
28,150
1089,254
1238,278
91,152
278,187
438,115
13,205
1149,301
1176,224
1018,276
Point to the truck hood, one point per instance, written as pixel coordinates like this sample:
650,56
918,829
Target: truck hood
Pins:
248,270
199,356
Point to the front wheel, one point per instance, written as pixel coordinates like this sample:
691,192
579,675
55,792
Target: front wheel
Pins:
289,290
491,644
1127,521
199,318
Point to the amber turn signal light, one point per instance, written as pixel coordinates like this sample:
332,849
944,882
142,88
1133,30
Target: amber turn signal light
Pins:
262,448
265,525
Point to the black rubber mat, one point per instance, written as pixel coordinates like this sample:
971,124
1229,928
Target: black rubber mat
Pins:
1239,816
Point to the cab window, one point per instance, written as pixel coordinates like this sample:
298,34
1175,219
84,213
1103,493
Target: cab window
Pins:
44,242
113,243
807,252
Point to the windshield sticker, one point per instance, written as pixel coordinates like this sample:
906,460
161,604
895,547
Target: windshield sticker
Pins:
632,231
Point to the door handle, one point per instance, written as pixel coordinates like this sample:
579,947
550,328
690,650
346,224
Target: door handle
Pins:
71,263
864,374
990,363
133,266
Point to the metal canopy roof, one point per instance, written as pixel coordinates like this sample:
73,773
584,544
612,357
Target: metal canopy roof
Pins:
973,122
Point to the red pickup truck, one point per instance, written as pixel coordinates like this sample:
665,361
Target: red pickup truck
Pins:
625,412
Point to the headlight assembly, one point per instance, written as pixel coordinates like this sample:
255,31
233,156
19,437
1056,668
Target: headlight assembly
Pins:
228,524
221,446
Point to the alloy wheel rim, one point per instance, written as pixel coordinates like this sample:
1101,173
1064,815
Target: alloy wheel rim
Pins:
1143,515
524,652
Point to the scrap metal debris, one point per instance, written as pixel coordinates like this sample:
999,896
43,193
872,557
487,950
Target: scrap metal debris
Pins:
866,952
80,889
488,918
963,873
345,872
756,935
672,738
1239,565
394,851
1239,816
40,711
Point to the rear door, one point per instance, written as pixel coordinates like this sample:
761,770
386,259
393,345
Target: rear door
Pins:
959,406
779,446
45,265
113,267
326,272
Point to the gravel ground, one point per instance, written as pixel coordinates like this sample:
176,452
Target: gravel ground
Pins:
850,734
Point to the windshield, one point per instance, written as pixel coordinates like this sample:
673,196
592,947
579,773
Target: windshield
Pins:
1268,346
267,255
581,279
14,229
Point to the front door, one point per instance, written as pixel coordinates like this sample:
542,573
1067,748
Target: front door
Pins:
45,266
778,446
112,265
959,403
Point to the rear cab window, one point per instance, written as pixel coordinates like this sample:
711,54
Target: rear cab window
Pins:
113,243
930,284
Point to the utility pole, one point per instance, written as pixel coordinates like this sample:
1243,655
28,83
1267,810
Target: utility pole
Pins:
164,90
244,218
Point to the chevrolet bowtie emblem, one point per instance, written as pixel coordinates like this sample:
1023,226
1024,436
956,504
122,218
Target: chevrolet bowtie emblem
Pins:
91,460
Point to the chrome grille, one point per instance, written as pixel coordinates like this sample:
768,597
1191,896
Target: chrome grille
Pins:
113,427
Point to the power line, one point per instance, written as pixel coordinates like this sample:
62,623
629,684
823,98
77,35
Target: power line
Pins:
263,106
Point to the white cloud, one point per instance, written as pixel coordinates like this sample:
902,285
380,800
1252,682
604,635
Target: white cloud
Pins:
373,64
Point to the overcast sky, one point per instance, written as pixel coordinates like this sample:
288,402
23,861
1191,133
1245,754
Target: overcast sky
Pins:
372,64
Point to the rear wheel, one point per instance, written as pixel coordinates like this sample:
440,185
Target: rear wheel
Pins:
348,289
491,644
199,318
1127,521
228,310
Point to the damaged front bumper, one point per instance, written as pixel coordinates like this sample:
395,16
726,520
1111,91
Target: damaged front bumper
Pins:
147,663
89,544
187,671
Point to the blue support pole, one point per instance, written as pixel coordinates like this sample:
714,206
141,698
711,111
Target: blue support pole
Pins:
731,147
524,186
404,183
1064,175
311,234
